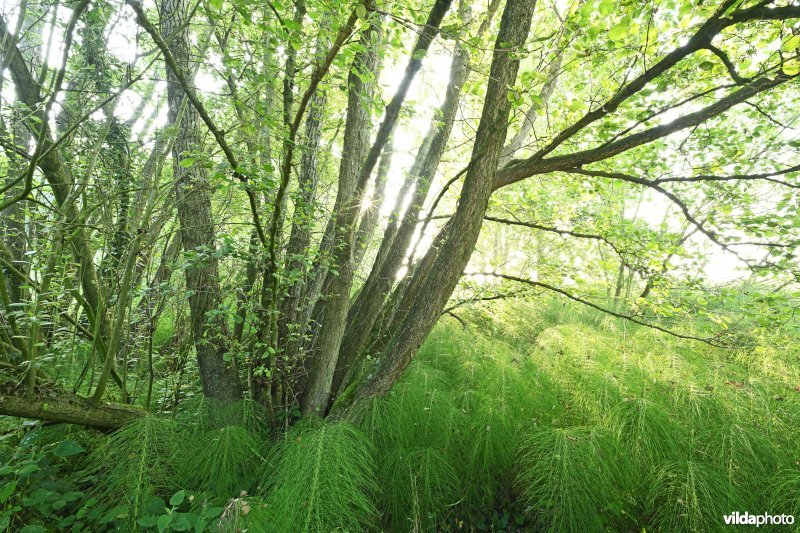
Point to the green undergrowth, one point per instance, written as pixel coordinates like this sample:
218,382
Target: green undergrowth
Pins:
535,417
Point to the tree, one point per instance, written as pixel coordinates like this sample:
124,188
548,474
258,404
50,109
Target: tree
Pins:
270,185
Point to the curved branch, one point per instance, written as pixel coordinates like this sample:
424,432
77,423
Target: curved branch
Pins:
712,341
518,170
712,236
728,64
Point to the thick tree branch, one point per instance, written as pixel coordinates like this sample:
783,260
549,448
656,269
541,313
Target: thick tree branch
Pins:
518,170
701,39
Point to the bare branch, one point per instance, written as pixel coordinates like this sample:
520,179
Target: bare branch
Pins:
712,341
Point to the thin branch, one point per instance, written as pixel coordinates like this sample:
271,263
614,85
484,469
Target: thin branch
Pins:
553,229
501,296
699,40
712,341
728,65
460,320
219,136
766,176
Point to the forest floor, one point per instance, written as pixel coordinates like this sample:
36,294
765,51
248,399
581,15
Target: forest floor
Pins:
533,417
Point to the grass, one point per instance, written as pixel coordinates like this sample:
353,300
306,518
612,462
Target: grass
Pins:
321,477
537,417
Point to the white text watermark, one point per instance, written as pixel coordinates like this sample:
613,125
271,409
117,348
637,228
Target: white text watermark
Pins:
747,519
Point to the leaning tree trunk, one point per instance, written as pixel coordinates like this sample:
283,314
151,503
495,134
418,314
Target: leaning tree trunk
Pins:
332,328
465,226
67,408
219,379
354,148
394,247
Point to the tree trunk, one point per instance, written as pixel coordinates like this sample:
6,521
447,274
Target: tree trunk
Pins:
68,409
369,220
292,325
220,380
394,246
466,224
332,328
354,148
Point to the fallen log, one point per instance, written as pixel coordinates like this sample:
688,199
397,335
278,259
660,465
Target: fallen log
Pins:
63,407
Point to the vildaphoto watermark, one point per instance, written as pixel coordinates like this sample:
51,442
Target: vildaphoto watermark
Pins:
747,519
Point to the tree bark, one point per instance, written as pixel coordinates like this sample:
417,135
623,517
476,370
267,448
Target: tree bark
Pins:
394,246
354,148
332,328
466,223
220,380
292,326
69,409
369,220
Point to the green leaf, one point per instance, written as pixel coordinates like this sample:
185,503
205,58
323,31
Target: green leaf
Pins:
177,498
68,448
217,4
36,528
29,468
186,162
148,521
181,523
7,490
618,32
361,11
791,68
163,522
213,512
791,44
292,25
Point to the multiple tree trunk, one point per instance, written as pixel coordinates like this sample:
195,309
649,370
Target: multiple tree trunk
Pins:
311,333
